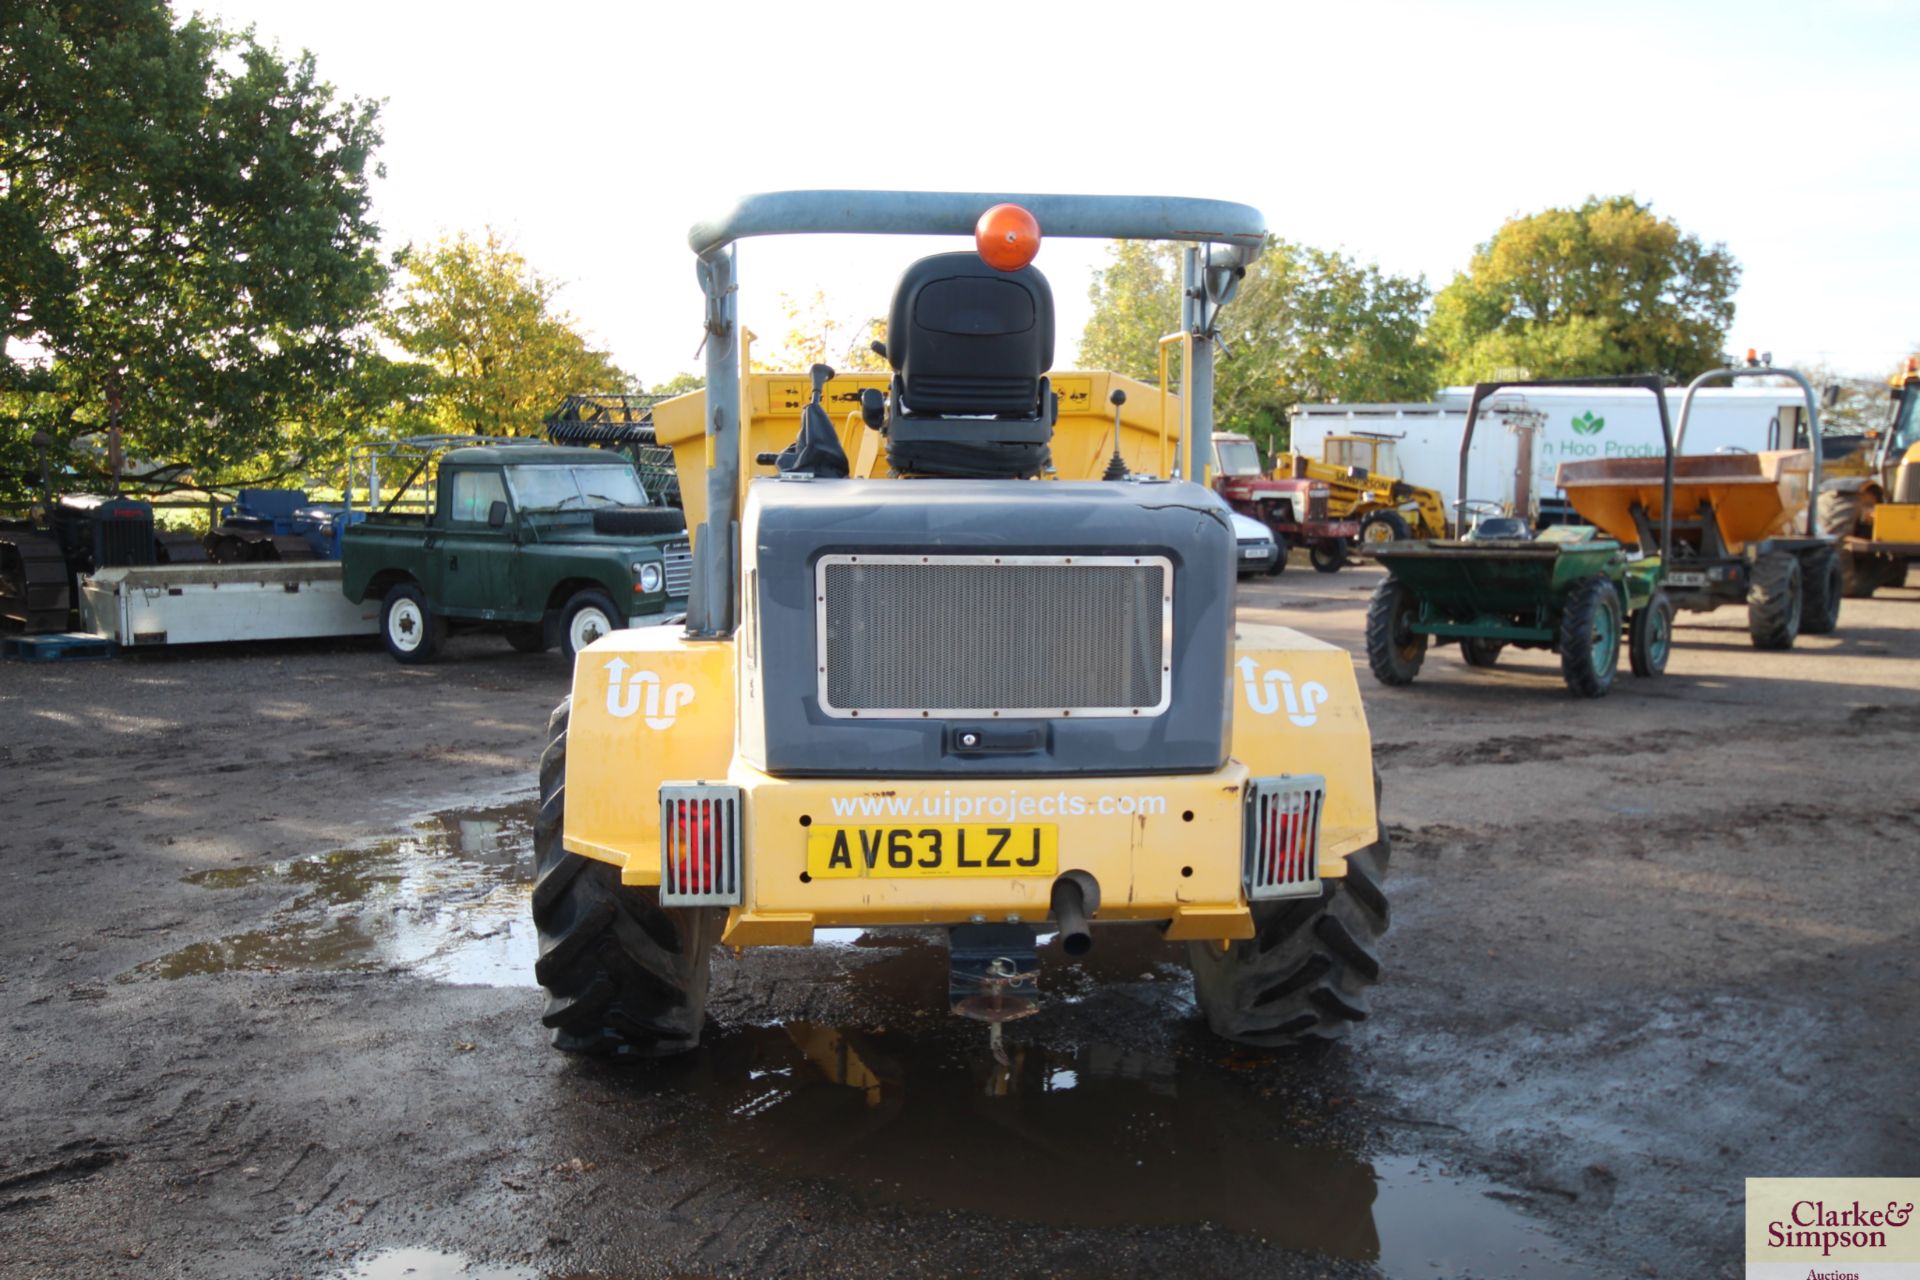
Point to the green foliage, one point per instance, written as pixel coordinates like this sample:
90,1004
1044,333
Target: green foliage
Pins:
1607,288
500,356
678,385
1309,327
188,246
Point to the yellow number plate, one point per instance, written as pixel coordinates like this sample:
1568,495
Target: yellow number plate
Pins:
1017,849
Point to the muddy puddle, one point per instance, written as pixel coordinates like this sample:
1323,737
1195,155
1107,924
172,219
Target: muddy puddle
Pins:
1096,1136
448,901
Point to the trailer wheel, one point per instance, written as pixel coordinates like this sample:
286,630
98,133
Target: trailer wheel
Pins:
529,637
624,976
1481,652
1823,587
1383,527
1394,649
1774,592
1590,637
1328,555
1650,636
412,633
587,616
1303,976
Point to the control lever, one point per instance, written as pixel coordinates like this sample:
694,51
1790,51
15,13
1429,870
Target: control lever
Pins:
873,407
1116,465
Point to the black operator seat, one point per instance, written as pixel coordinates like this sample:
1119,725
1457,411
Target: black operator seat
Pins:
970,347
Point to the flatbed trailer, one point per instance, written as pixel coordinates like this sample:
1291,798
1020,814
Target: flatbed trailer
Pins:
151,605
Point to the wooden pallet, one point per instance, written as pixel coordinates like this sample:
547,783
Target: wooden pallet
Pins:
62,646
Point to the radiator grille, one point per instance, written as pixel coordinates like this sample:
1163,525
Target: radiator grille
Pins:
679,567
1283,836
923,636
699,845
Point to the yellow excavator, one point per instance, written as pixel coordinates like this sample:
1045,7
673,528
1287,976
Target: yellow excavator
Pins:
1361,472
1871,499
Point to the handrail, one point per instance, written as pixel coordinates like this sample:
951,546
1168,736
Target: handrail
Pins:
1649,382
1240,227
1816,435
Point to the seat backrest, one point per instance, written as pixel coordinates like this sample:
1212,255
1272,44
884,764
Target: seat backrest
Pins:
967,339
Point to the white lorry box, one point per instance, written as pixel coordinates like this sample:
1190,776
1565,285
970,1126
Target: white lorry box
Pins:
1567,424
211,603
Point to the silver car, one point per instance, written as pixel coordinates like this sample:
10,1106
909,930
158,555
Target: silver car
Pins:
1257,551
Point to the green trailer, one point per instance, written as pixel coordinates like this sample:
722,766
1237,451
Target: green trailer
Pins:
1571,590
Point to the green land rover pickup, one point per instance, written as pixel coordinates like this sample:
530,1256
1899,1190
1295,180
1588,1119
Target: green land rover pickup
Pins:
551,546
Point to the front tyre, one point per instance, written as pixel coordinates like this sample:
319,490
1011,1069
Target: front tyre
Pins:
1823,586
1383,527
1328,555
1304,975
624,976
1650,636
1394,649
1590,637
1774,600
587,616
411,632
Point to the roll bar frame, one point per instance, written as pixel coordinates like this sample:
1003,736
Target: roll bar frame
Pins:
1223,239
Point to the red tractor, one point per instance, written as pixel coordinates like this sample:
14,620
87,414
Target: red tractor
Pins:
1295,509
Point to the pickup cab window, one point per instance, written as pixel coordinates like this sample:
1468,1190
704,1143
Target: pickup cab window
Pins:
575,488
474,493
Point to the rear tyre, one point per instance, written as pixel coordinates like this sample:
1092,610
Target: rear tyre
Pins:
1840,514
624,976
1823,587
1650,636
1481,652
1590,637
529,637
1384,526
1774,600
1304,975
412,634
586,617
1328,555
1394,650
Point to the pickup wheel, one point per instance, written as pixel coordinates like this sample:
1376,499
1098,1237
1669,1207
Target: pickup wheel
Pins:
586,617
412,633
529,637
624,976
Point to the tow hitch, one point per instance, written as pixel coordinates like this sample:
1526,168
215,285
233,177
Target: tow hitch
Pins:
993,977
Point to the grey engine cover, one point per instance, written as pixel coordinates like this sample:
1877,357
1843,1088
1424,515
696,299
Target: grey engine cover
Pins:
789,526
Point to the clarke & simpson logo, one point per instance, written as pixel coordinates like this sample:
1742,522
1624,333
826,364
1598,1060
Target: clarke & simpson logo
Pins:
1832,1229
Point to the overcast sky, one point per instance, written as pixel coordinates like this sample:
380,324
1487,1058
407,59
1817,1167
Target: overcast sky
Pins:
592,135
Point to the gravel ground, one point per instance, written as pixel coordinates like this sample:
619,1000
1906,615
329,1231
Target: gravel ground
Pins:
263,954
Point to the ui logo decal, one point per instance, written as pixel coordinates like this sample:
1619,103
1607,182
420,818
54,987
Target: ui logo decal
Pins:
662,704
1266,693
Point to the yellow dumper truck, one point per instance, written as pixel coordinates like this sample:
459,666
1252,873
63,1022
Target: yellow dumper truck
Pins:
937,672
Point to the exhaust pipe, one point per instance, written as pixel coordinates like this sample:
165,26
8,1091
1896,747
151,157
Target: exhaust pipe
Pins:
1076,896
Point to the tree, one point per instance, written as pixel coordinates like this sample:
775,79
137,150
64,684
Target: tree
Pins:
1607,288
190,263
815,335
678,385
483,321
1309,326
